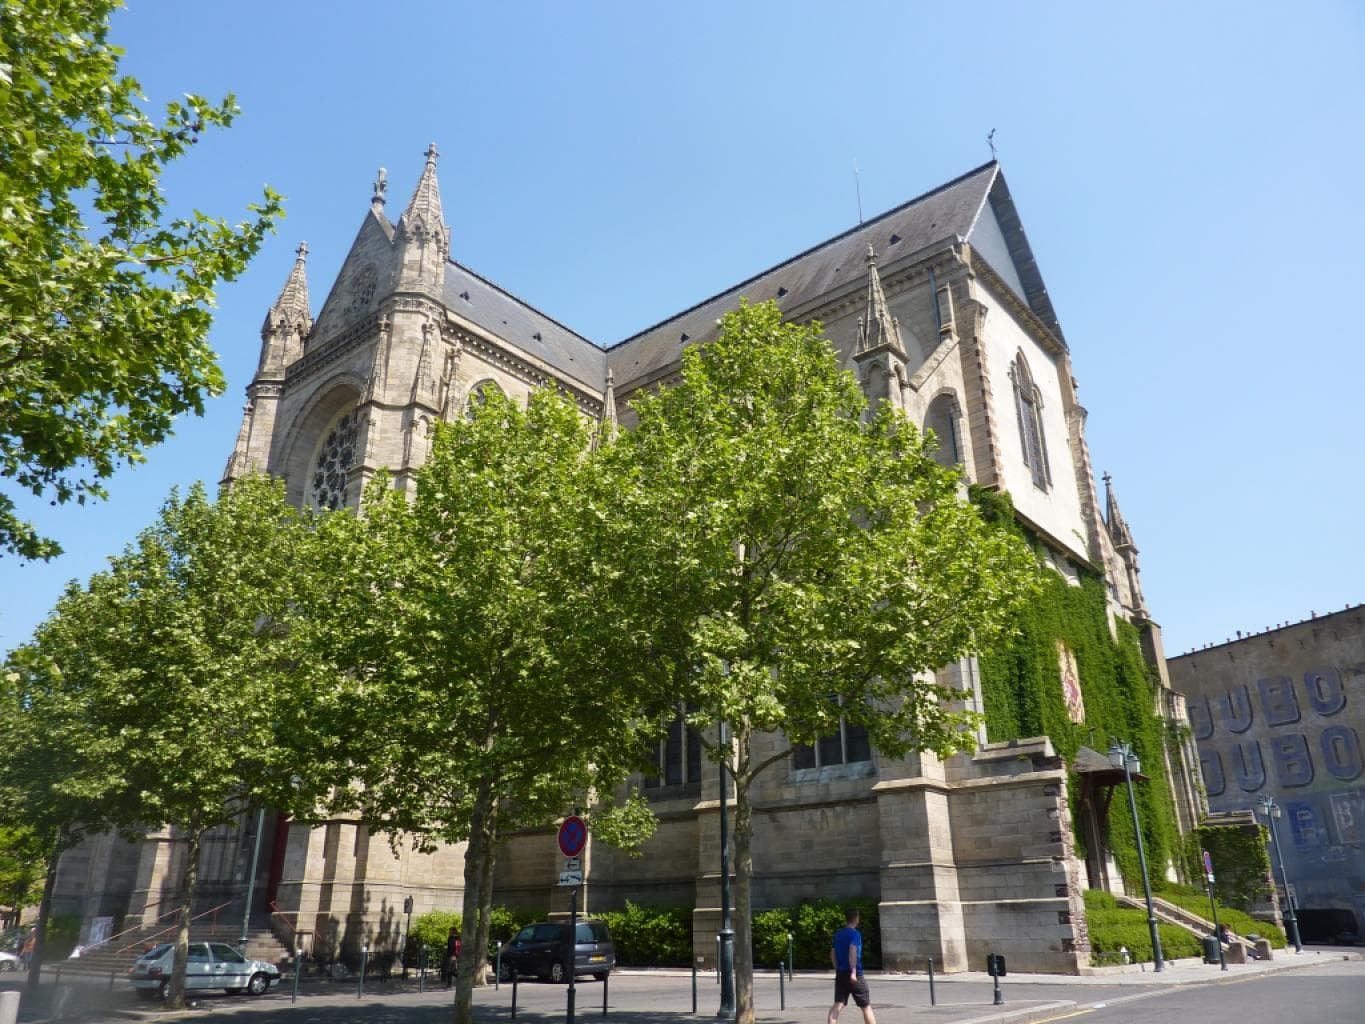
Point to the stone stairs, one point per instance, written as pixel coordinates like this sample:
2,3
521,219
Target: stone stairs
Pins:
1168,913
118,956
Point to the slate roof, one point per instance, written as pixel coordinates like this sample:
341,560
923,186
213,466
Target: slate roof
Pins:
948,213
506,316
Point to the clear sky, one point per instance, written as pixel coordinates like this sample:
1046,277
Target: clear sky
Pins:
1189,176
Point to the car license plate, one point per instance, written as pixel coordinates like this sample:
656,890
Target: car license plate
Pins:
596,957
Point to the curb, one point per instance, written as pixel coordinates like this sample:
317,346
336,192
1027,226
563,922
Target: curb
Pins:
1027,1014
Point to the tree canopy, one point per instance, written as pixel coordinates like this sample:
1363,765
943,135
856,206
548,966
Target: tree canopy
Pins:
794,558
170,686
105,297
482,693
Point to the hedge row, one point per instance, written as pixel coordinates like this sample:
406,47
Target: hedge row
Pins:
1112,927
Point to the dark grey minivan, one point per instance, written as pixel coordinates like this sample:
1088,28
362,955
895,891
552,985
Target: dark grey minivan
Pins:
542,950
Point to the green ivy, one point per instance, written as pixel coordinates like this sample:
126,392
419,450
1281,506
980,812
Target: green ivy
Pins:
1241,866
1022,692
1113,927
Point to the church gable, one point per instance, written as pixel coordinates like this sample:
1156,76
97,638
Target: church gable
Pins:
365,277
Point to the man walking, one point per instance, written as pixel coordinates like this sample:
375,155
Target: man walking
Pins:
847,955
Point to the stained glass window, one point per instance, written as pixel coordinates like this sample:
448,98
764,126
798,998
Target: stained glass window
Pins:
327,486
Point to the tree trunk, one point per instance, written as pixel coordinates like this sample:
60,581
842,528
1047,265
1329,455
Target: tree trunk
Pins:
44,914
490,859
189,876
476,852
744,872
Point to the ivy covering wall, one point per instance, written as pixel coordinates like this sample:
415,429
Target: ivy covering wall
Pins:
1022,690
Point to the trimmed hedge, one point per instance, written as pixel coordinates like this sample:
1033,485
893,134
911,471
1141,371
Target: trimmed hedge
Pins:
651,936
1112,927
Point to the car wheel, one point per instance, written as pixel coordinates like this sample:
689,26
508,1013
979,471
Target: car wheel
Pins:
504,971
6,965
163,990
258,985
557,972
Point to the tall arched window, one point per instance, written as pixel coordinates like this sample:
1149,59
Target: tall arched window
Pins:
942,420
332,462
1028,404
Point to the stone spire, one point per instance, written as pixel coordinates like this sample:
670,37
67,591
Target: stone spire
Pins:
1118,527
425,386
238,461
422,237
291,308
607,423
287,322
878,328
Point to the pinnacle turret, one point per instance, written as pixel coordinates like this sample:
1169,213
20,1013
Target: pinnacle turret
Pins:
423,214
291,307
878,328
1118,527
606,423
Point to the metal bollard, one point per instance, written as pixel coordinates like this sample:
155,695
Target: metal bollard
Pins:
717,959
695,960
111,980
999,999
364,959
932,1001
791,957
497,970
422,969
606,980
514,993
781,986
298,969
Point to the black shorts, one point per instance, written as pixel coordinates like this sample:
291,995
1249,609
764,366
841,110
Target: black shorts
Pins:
845,985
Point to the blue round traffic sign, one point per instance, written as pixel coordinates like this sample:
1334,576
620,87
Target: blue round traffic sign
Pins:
573,836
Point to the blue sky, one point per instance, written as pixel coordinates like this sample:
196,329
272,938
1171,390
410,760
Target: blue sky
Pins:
1188,176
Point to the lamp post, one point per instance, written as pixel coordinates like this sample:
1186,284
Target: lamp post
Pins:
1122,757
1271,810
251,880
727,931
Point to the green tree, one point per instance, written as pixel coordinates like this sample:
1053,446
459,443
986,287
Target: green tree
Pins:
22,868
61,778
481,694
789,557
179,658
104,297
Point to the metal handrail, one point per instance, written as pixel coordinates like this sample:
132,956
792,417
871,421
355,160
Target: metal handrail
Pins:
166,931
138,927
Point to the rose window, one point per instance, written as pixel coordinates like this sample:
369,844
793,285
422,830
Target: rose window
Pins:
327,488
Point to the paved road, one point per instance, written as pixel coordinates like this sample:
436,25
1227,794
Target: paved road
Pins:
1322,990
1329,994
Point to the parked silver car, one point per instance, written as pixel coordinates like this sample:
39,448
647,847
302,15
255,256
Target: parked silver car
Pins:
210,965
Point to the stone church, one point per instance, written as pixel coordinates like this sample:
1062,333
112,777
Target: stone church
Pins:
939,307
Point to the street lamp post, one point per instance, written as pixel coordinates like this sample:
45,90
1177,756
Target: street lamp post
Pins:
727,931
1122,756
251,880
1271,810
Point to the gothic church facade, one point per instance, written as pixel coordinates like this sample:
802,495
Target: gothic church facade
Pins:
939,307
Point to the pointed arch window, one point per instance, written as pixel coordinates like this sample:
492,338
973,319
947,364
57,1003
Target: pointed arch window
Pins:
942,418
1028,405
479,394
332,463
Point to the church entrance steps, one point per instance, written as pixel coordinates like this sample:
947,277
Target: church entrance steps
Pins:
1168,913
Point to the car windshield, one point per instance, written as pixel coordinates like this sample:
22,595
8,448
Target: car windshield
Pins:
156,952
525,934
593,931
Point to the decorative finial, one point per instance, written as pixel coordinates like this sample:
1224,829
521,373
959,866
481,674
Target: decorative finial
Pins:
301,253
381,187
1106,478
432,154
990,141
611,377
871,256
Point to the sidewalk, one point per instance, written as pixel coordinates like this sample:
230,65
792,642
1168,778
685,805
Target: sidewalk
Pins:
665,997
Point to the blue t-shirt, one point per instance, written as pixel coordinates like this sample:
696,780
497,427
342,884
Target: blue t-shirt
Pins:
844,938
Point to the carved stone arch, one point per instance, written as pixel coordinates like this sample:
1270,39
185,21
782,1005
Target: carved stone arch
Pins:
417,443
477,390
331,400
944,417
